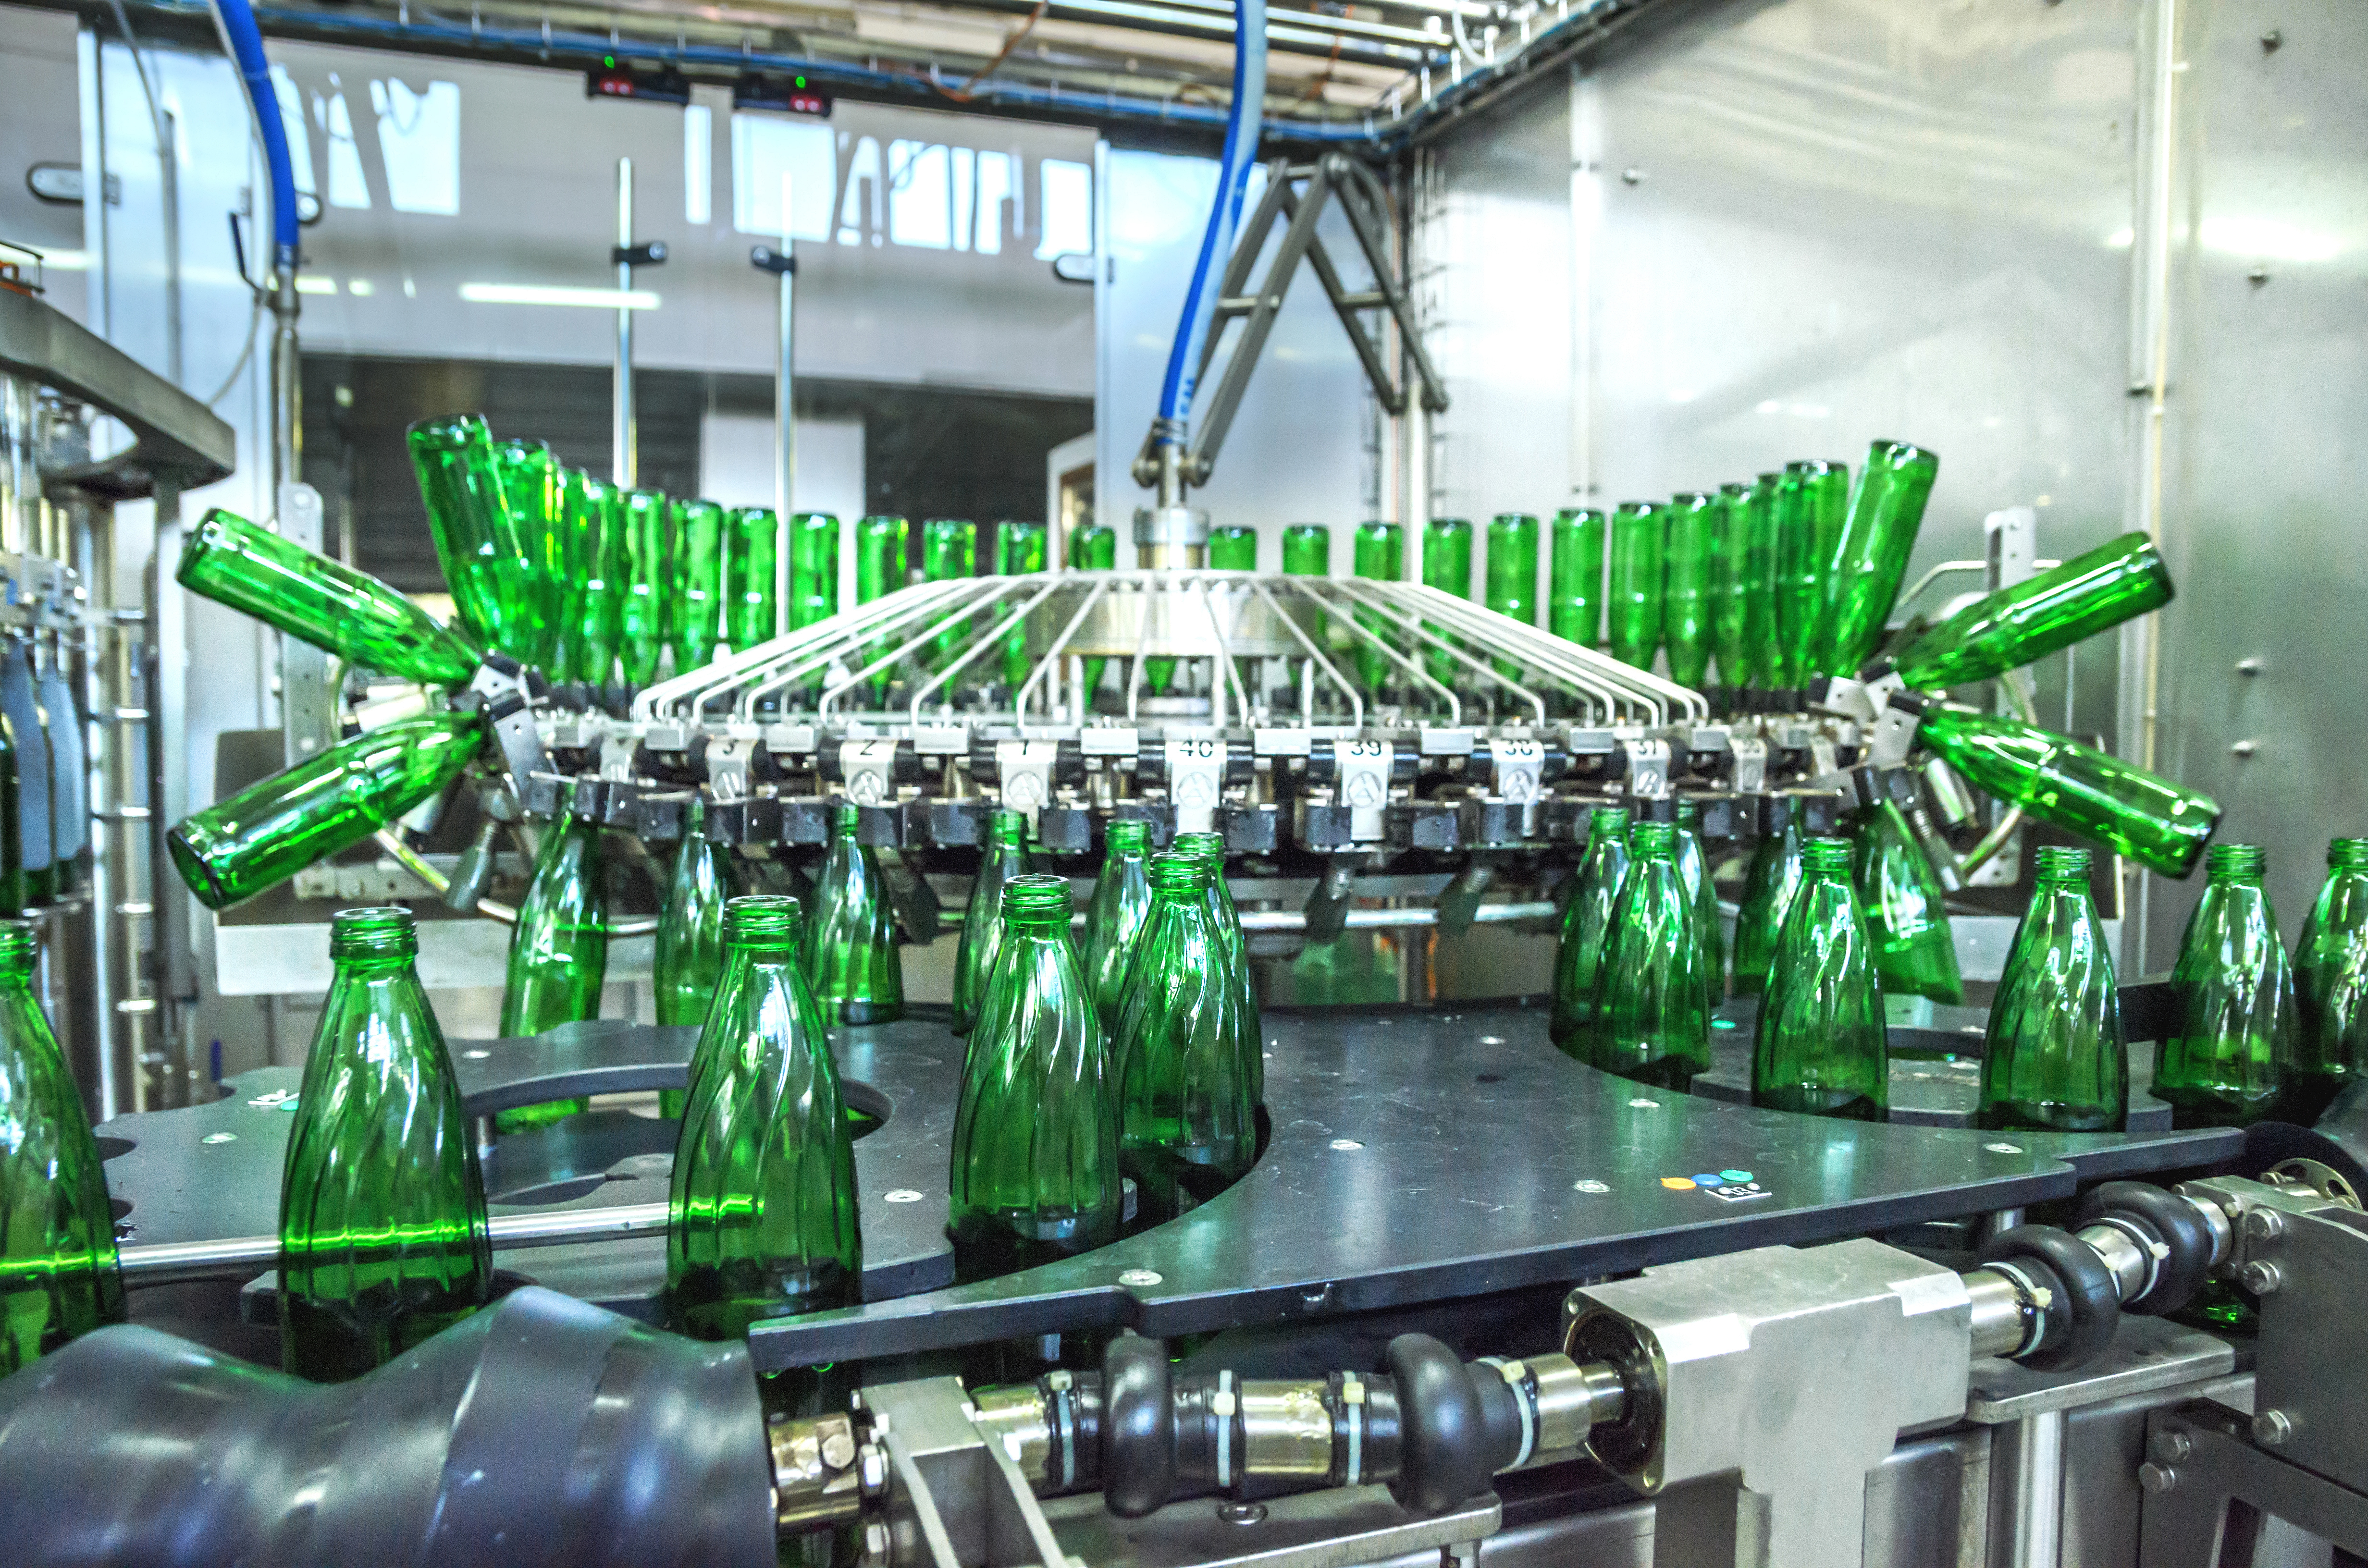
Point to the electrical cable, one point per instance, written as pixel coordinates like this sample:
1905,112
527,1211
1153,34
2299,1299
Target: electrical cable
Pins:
243,41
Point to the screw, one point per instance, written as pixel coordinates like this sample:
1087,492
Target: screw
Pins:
2270,1428
875,1541
2258,277
1632,176
903,1195
2241,748
2271,39
1346,1144
2260,1278
2248,666
2172,1446
2003,1148
2157,1478
1240,1512
1137,1276
2264,1224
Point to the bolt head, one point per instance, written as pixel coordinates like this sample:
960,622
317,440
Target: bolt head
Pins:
839,1450
2264,1224
875,1541
2157,1479
2172,1446
2272,1428
2260,1278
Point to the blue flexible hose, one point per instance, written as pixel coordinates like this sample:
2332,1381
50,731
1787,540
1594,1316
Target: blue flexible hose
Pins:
245,39
1242,127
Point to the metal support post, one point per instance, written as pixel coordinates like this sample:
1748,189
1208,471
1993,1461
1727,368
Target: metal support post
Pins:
622,455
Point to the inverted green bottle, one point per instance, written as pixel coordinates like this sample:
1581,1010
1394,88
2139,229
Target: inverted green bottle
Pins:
1915,951
2067,785
1640,544
1447,566
559,949
1005,856
1188,1124
851,959
2054,1058
1575,576
761,1218
700,557
1122,902
1586,923
1233,547
880,550
1307,551
1379,552
1510,574
1811,499
1689,588
58,1273
1035,1167
2118,580
321,601
1227,921
949,549
452,457
1729,586
533,490
1753,520
1769,883
1820,1049
594,606
1653,1001
814,568
752,611
276,826
2237,1035
1020,548
649,580
382,1236
1693,865
1878,533
2330,979
1092,546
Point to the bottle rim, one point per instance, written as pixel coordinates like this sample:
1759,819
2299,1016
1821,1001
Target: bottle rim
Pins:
1654,840
1826,854
1127,836
1641,508
2348,854
20,945
851,817
2236,862
378,930
1037,899
764,920
1208,846
1613,819
446,432
2063,862
1181,873
1007,827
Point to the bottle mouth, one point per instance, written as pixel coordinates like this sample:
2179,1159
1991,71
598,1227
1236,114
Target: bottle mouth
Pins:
2237,862
380,930
1832,855
1207,845
1007,827
2063,862
1178,873
20,944
1038,898
1608,819
1654,838
446,432
761,920
1127,837
2348,854
851,817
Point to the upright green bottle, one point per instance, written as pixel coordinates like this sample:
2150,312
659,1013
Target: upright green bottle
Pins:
690,957
382,1237
1820,1048
2070,786
752,612
1730,586
1036,1174
2053,1058
700,558
982,930
1585,926
1447,566
1307,551
321,601
2225,1066
469,521
1188,1125
1122,902
1652,1009
814,568
1915,951
2118,580
1233,547
2330,979
1689,591
851,944
1878,532
1754,518
761,1219
276,826
559,949
534,491
1640,543
1693,865
1227,921
58,1275
1379,554
649,581
595,604
1769,883
1575,576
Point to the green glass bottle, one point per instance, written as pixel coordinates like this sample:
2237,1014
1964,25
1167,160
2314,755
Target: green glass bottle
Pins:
814,568
1122,902
2070,786
982,930
559,949
1188,1125
1510,574
1036,1174
1640,542
382,1236
1447,566
276,826
2224,1064
1652,1007
594,608
851,944
1769,883
1379,552
1820,1049
1226,919
1307,551
2054,1058
649,578
321,601
1878,532
1729,585
58,1273
1688,596
697,614
1233,547
1915,951
1811,498
2330,981
690,950
753,596
1586,923
1754,522
469,521
1693,865
761,1219
1020,548
949,549
2117,581
1575,576
880,543
533,490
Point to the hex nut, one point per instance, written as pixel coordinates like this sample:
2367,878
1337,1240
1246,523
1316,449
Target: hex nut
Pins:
2157,1479
838,1449
2272,1428
2170,1447
875,1541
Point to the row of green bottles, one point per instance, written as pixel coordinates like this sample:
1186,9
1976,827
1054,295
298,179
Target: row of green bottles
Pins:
2054,1056
1653,982
1819,1047
559,947
58,1273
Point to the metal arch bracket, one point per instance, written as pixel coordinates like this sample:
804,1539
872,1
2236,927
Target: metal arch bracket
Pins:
1299,194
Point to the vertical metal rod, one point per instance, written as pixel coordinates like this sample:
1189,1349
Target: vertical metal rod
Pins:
620,422
785,395
2037,1540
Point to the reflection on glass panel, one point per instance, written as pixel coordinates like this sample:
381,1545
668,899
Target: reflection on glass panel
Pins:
1065,207
765,148
347,186
419,138
994,193
921,210
300,136
858,218
698,161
